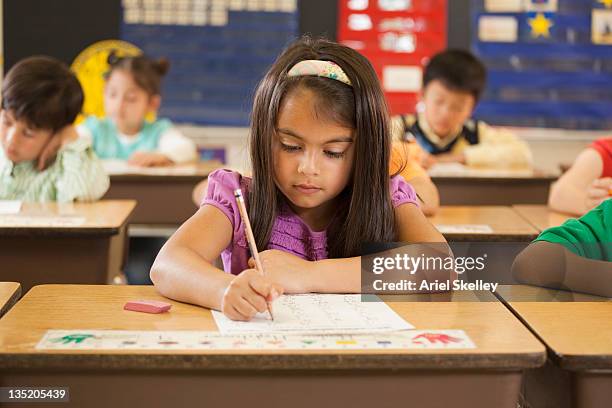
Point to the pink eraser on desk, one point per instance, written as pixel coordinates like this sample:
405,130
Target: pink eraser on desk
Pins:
147,306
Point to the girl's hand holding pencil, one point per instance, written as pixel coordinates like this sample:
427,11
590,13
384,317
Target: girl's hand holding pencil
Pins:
271,293
248,294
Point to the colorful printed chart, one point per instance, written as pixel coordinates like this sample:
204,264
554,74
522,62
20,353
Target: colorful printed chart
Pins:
205,340
397,37
548,62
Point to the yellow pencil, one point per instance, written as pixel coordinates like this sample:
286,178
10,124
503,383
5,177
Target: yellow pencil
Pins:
250,237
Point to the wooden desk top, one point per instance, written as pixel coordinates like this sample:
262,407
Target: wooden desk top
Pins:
121,171
579,332
9,293
541,217
104,217
460,171
501,340
505,223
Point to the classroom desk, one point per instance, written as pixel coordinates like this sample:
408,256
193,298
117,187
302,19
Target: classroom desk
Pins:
487,376
541,217
505,224
163,194
460,185
578,335
65,243
9,293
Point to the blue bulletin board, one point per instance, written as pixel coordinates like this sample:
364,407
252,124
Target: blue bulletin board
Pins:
549,62
218,50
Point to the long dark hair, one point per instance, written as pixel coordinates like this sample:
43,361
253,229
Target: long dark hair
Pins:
365,213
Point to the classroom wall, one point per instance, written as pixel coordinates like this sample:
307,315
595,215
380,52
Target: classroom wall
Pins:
557,78
459,24
51,28
319,17
554,147
51,25
56,28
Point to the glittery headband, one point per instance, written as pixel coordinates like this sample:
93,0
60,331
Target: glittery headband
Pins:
325,69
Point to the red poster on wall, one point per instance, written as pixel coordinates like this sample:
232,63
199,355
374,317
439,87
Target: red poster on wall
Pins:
398,37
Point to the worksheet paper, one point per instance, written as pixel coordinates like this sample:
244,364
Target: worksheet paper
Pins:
316,313
36,221
114,167
10,207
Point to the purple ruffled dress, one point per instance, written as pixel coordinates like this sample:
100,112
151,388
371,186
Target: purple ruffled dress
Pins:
289,232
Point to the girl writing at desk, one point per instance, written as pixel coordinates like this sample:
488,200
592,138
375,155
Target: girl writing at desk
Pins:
320,148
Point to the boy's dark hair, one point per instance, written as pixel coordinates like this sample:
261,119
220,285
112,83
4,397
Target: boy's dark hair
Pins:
43,92
147,72
458,70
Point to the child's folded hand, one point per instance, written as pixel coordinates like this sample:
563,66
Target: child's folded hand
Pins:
288,270
149,159
598,192
247,294
427,160
62,137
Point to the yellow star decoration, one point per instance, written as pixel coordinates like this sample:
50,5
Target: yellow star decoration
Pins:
607,3
540,25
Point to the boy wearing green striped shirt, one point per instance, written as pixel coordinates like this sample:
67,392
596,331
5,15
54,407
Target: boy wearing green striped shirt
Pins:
42,158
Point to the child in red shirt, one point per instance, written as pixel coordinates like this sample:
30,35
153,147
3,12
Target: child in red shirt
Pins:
587,183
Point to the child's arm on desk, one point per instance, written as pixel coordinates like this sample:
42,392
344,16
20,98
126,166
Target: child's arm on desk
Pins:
149,159
580,189
174,148
553,266
184,270
498,148
343,275
177,147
